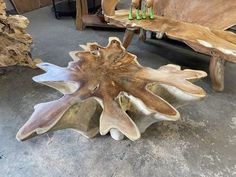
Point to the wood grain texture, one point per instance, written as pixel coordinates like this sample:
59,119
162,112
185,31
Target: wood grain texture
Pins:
23,6
108,6
217,14
203,38
15,42
81,10
216,69
101,85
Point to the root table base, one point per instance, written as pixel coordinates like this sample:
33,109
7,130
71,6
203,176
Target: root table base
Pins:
106,90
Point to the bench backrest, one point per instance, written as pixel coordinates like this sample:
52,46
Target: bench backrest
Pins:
219,14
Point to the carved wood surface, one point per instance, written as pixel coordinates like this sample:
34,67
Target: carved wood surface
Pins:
202,38
106,90
15,42
217,14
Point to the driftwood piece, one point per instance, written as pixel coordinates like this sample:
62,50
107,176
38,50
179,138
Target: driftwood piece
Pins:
129,33
15,42
147,9
106,90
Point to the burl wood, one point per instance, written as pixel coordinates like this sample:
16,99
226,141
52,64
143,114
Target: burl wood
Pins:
106,90
15,42
200,24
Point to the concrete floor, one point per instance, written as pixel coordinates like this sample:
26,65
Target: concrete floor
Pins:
201,144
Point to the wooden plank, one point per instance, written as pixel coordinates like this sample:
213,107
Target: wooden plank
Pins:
44,3
114,77
15,42
203,39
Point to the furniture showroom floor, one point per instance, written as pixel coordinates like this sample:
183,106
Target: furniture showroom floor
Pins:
201,144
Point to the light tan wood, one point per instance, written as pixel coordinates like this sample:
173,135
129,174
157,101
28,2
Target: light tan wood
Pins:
44,3
81,10
217,14
101,85
216,69
15,42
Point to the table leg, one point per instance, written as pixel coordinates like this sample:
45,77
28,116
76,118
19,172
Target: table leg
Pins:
81,10
129,33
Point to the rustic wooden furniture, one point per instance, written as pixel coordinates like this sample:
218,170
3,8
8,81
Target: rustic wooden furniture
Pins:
200,24
106,90
15,42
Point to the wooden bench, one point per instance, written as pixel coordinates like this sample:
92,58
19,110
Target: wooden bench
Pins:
200,24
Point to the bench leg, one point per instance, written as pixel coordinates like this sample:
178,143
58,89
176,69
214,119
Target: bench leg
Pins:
217,73
129,33
142,35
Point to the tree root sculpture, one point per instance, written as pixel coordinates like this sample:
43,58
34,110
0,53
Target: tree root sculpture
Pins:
106,90
15,42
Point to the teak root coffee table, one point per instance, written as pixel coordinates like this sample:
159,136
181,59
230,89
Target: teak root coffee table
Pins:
106,90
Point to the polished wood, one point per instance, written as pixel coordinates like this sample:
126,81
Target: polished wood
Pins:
208,39
101,85
216,14
216,68
15,42
200,24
